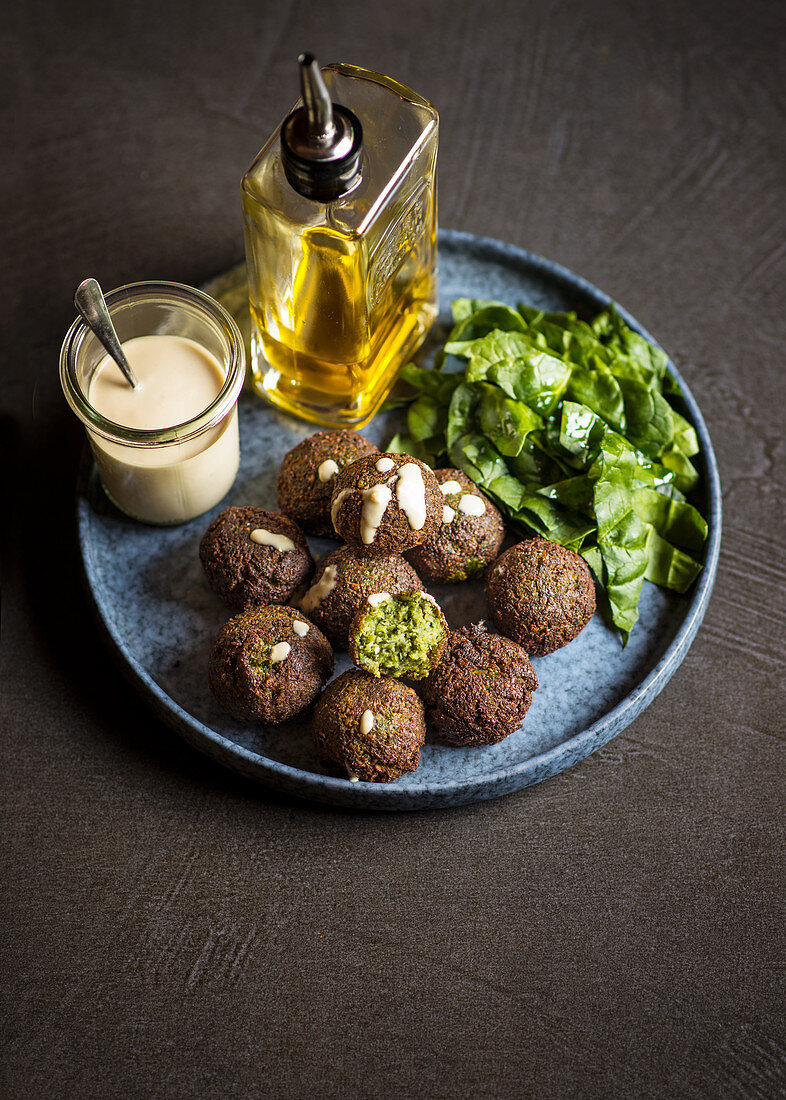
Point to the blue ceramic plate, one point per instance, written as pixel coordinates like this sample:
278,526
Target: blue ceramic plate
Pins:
160,617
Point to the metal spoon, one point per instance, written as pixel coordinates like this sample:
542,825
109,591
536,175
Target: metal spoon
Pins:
90,302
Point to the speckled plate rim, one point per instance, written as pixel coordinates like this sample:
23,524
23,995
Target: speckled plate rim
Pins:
432,795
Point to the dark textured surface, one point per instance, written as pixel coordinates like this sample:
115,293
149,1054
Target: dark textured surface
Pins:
172,931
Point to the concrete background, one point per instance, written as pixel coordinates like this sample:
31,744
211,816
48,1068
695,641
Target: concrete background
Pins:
174,931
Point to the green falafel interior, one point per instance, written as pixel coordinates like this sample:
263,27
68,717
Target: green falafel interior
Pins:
402,636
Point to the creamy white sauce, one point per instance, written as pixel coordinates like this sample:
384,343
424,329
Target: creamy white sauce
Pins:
300,628
375,501
178,380
324,586
449,487
327,469
280,652
385,464
367,721
339,500
472,505
377,598
271,538
448,513
354,779
411,495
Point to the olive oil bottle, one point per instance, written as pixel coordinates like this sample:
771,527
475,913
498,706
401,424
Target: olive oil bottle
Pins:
340,222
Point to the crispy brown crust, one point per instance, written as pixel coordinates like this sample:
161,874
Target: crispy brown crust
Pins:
391,748
274,693
480,691
464,547
244,573
301,495
358,575
394,534
541,595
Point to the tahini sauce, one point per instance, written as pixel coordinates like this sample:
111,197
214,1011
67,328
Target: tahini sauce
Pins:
178,380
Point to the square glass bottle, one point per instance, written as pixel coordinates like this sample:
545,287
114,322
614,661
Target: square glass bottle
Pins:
341,249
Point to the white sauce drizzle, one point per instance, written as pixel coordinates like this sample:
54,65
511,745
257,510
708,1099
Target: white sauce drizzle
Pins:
448,513
280,652
411,495
317,592
472,505
327,469
354,779
449,487
377,598
300,628
385,464
271,538
375,501
334,507
367,721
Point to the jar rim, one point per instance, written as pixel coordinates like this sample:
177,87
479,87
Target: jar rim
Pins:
167,292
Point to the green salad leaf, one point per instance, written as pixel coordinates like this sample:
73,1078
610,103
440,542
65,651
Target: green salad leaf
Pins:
568,427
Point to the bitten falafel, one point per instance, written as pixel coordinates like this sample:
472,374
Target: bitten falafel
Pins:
372,727
251,556
306,477
541,595
400,635
386,503
345,579
468,538
481,689
268,664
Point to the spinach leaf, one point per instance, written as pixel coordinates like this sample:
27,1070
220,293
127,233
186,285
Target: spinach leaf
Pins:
426,418
567,426
504,420
461,413
650,424
488,317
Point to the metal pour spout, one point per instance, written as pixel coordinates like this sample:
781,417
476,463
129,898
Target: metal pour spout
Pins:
316,100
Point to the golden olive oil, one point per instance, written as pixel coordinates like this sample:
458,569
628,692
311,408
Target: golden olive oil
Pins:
342,287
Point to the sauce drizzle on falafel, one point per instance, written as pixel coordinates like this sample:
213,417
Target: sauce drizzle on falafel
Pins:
280,652
317,592
411,495
375,501
271,538
327,469
472,505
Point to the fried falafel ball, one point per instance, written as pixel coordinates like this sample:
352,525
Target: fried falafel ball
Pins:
400,635
372,727
481,689
268,664
468,538
541,595
306,477
386,504
251,556
345,579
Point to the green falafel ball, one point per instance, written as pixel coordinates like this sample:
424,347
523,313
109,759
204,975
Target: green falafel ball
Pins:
400,635
373,728
541,595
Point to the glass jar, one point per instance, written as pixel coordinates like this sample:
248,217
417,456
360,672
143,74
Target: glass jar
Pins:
172,474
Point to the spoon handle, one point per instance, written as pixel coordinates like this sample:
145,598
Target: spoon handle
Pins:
90,302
